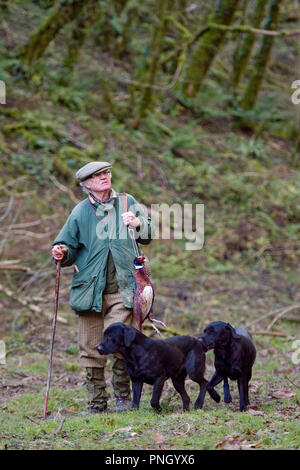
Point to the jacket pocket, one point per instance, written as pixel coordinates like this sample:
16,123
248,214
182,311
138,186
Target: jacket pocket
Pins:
82,294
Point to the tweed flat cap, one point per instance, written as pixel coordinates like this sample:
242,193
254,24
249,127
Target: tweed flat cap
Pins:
90,168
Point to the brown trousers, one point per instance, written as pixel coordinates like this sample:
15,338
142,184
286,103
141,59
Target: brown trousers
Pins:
92,325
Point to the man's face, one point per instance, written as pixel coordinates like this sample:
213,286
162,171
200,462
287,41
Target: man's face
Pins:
99,182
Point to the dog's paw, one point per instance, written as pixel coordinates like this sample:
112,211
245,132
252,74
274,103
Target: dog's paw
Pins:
198,406
157,408
215,396
228,399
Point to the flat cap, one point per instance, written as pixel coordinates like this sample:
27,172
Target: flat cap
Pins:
90,168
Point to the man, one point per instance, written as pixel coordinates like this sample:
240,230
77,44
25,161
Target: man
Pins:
95,239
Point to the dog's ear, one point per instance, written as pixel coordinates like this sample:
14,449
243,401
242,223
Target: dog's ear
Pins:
129,335
234,335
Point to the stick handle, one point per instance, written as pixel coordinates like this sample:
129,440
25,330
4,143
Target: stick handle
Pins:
58,266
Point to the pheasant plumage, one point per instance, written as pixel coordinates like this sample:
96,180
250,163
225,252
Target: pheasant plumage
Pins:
144,296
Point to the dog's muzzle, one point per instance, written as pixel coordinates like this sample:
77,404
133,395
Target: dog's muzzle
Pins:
203,344
100,349
206,346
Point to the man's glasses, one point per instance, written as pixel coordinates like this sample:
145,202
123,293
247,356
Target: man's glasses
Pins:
103,173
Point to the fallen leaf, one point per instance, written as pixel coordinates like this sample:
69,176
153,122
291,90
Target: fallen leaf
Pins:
254,445
218,420
253,389
70,409
121,430
285,370
159,438
230,443
110,421
251,411
284,393
238,442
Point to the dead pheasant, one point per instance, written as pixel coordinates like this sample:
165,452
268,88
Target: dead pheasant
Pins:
144,296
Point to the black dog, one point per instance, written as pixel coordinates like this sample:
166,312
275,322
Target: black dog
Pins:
234,357
153,361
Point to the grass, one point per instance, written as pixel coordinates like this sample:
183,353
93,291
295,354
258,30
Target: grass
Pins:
271,422
213,427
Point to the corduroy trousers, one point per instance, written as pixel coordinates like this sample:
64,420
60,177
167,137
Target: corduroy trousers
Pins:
90,334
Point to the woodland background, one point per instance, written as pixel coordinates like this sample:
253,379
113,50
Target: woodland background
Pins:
191,103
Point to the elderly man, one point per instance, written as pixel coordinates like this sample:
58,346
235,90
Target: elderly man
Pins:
95,239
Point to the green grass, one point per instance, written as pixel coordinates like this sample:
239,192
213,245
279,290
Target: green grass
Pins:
272,421
144,429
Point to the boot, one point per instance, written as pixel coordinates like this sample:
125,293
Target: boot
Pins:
97,396
123,404
121,385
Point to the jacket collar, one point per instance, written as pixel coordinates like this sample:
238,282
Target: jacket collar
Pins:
94,200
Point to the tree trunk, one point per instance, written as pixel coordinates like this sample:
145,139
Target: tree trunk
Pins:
242,53
110,35
208,47
78,36
64,12
262,57
149,73
121,45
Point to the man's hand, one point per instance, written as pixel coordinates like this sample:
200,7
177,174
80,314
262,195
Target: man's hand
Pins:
59,251
130,219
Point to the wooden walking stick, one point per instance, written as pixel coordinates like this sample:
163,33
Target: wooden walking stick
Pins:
58,266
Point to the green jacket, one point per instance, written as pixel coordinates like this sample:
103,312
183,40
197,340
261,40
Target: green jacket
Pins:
89,241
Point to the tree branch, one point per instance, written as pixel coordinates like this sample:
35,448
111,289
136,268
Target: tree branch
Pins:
243,29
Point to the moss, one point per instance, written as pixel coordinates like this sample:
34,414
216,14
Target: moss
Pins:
78,37
208,47
261,58
152,65
242,53
64,12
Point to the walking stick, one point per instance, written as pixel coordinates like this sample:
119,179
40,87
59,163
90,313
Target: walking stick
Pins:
58,266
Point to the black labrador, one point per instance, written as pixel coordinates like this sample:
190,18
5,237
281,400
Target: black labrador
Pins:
234,357
153,361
